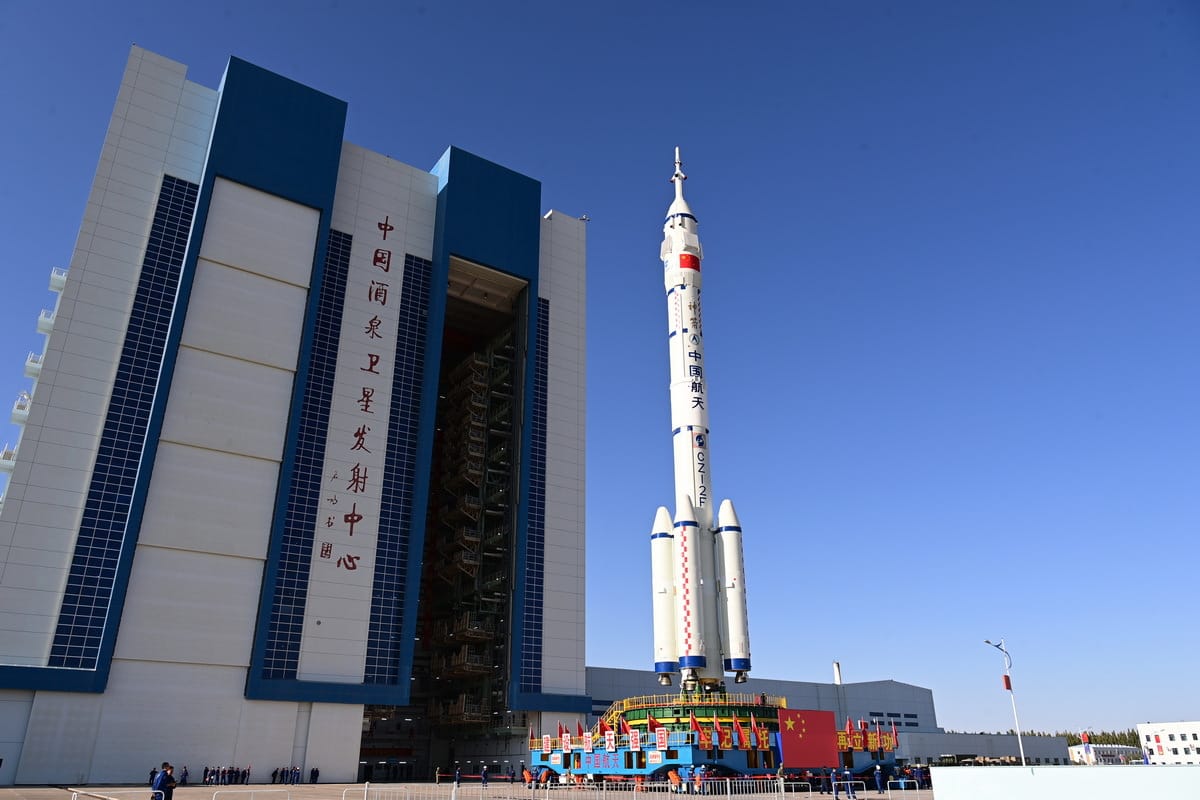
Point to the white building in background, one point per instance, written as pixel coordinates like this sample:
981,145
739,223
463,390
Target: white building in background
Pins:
1105,754
300,477
1092,753
1170,742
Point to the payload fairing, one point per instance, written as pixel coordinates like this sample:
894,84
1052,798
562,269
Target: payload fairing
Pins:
698,577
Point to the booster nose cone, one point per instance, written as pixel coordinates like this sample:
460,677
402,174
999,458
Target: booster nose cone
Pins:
662,521
726,516
684,510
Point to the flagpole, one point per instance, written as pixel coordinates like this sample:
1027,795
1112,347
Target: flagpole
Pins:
1013,697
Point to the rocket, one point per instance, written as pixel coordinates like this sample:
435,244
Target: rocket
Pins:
697,573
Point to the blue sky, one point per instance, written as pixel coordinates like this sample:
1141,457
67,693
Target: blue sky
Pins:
951,296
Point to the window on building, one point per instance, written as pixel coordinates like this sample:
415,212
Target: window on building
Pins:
910,716
1147,737
1170,737
1174,751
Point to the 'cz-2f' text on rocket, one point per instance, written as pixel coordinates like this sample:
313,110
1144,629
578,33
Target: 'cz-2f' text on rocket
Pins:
700,624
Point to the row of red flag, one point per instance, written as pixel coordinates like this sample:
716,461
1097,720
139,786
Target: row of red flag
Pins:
760,735
851,739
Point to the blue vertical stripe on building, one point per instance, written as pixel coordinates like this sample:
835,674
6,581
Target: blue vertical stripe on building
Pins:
103,539
389,646
286,623
535,566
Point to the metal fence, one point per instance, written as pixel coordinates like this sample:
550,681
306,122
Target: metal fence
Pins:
241,794
908,785
628,789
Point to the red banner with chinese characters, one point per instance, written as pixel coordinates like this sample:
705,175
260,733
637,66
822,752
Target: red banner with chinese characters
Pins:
851,740
881,740
808,738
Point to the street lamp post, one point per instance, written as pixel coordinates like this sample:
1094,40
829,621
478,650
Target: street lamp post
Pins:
1013,697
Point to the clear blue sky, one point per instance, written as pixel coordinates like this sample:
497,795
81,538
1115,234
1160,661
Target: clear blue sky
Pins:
952,296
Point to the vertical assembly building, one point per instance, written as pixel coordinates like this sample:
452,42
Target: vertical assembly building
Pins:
301,473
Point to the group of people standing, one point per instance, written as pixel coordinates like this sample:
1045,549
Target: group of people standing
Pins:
163,780
225,776
292,775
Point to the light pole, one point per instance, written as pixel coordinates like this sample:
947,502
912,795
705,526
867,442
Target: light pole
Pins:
1013,697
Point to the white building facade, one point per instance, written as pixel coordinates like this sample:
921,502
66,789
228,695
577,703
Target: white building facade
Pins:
1170,742
1090,753
289,381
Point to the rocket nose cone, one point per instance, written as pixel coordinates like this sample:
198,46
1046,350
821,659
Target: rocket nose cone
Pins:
662,520
726,516
684,510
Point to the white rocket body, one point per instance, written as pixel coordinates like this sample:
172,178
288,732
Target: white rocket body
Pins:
701,560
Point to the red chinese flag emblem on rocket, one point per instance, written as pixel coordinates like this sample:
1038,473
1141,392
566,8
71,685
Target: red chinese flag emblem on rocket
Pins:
807,738
689,261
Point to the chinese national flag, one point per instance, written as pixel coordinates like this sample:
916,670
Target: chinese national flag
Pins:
624,725
604,727
579,728
895,738
651,723
560,729
742,740
807,738
722,738
695,723
754,731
